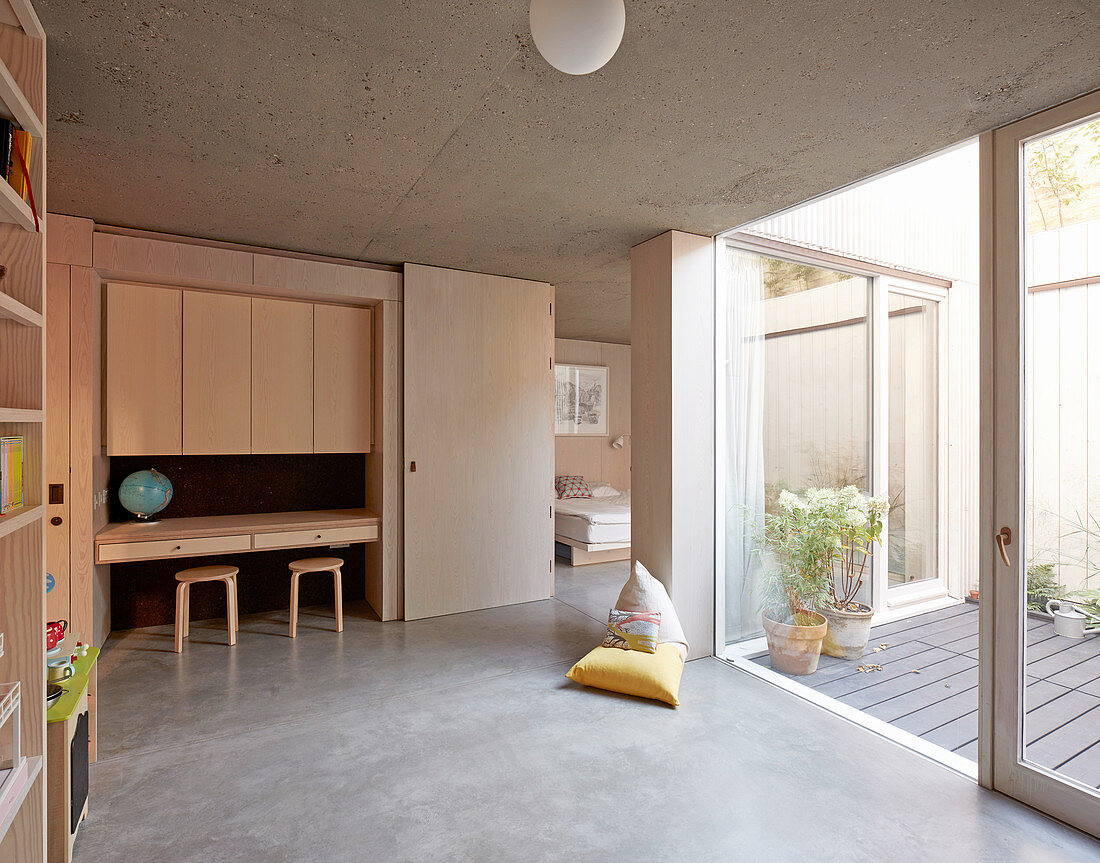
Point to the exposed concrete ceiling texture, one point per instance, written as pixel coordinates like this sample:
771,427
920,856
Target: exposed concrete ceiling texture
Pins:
434,132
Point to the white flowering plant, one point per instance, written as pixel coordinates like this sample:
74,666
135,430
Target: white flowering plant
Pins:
821,541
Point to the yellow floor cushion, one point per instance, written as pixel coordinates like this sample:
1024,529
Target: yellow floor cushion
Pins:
650,675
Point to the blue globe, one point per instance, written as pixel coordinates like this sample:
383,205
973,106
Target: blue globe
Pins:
145,492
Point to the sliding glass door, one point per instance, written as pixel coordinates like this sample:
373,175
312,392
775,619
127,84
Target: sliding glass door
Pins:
829,377
1040,708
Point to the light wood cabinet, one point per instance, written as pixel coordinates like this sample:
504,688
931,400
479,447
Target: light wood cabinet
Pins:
144,370
341,379
217,373
206,373
282,376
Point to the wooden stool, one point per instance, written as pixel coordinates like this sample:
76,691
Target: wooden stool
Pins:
315,564
187,577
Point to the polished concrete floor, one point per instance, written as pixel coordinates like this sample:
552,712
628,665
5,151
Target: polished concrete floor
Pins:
459,739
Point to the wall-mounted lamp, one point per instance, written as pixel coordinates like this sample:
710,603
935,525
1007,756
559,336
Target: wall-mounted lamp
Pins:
619,441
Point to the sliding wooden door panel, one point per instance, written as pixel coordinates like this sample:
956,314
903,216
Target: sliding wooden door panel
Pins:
282,376
217,372
341,379
57,441
144,370
479,391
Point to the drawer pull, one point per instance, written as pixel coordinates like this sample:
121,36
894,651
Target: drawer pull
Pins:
317,537
179,547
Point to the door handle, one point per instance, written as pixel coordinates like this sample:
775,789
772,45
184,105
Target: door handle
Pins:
1004,537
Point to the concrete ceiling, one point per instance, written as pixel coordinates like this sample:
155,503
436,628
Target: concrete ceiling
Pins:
434,132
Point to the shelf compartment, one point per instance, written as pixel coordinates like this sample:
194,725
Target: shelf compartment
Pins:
20,13
21,358
15,789
14,209
14,310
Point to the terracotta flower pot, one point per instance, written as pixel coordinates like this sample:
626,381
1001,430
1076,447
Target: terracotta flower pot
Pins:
848,632
795,649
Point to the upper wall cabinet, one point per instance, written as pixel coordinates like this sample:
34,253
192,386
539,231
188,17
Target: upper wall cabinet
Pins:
144,370
341,379
208,373
217,373
282,376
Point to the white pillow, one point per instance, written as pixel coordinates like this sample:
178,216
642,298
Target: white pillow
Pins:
642,592
603,489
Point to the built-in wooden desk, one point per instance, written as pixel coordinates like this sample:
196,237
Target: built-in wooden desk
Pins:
230,534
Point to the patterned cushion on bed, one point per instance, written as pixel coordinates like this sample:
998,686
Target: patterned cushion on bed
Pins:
633,630
572,486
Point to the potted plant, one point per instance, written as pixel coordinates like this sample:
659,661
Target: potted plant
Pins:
857,522
795,582
1042,586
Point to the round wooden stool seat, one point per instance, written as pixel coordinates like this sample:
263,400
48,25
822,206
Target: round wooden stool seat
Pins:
207,573
299,568
314,564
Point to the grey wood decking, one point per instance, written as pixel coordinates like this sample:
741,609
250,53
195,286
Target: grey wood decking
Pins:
928,686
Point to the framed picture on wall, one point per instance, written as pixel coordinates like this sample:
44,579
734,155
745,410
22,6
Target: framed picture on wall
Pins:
580,400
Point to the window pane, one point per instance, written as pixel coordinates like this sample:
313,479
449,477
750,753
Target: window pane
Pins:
914,438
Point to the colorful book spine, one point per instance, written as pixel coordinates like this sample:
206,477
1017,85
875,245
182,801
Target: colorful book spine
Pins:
20,147
6,155
11,474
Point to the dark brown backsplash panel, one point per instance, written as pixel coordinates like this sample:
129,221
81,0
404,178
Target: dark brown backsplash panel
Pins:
143,593
243,484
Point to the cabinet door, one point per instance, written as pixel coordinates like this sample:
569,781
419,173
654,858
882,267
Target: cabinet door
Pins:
341,379
217,373
282,376
144,370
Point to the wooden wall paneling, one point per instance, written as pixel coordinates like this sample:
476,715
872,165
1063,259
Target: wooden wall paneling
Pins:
385,466
217,373
282,376
672,530
69,240
342,379
593,457
323,280
56,457
87,462
183,264
478,424
144,370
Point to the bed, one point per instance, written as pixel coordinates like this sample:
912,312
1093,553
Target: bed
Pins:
593,530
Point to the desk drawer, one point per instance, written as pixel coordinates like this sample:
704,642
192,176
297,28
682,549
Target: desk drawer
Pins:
163,548
320,536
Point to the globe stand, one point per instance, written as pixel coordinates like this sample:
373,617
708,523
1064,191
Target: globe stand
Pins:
145,519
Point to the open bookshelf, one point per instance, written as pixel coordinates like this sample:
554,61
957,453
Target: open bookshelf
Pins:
22,404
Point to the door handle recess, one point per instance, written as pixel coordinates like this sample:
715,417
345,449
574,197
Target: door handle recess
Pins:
1004,538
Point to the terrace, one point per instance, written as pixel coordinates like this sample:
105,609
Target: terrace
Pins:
928,686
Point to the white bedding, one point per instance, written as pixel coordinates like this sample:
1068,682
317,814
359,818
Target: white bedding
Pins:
584,531
597,510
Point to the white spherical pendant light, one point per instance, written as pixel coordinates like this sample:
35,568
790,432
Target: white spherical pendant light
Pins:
577,36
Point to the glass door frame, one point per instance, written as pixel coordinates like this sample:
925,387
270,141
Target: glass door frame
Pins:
927,590
1001,741
888,603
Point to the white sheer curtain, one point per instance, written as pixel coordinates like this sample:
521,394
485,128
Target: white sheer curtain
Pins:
743,274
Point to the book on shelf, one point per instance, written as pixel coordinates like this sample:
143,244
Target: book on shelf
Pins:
6,155
11,474
18,160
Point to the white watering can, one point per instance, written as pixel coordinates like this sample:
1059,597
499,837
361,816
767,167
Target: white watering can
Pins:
1068,621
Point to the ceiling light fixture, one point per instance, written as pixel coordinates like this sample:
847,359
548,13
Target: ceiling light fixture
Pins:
577,36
